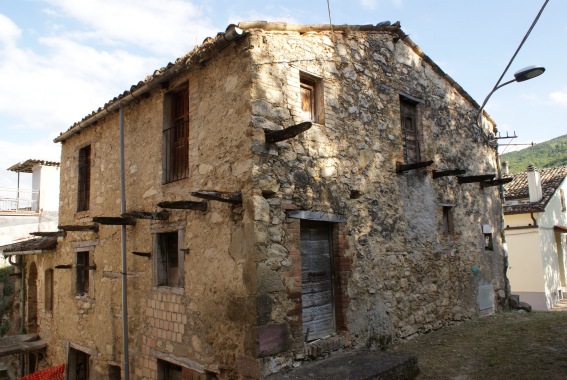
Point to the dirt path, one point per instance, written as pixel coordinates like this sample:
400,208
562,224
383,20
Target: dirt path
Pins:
511,345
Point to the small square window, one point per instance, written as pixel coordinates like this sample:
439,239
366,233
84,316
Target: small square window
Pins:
170,371
488,242
169,260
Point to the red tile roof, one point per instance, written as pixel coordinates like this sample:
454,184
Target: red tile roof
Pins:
551,179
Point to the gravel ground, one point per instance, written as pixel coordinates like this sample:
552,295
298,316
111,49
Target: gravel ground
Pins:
508,345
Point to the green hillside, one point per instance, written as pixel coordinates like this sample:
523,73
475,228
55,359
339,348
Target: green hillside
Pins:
543,155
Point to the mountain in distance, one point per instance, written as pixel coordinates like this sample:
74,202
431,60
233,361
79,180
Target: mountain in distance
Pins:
548,154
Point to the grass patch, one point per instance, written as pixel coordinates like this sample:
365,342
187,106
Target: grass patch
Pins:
507,345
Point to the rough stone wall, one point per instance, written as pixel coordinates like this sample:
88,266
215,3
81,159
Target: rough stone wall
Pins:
404,275
208,324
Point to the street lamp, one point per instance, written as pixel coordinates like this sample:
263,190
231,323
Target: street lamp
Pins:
522,75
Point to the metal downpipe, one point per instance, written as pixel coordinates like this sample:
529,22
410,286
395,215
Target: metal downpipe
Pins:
124,262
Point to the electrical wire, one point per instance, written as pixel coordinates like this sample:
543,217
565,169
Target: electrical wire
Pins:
521,43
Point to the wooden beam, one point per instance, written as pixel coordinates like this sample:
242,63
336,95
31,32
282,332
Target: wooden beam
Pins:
234,198
92,227
48,234
64,266
475,178
160,215
446,173
114,220
143,254
402,168
184,205
497,182
286,133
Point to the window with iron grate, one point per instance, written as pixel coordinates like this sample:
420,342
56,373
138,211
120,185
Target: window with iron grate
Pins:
176,136
84,184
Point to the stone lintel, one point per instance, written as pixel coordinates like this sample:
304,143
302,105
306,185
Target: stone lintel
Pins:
316,216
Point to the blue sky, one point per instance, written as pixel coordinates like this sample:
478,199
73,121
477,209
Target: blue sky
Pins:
62,59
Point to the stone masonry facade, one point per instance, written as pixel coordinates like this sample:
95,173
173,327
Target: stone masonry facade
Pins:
407,249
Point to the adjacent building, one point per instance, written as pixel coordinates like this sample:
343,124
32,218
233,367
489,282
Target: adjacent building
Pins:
288,190
24,210
536,226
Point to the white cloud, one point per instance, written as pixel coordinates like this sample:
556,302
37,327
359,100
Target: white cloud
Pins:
169,27
9,31
375,4
369,4
559,97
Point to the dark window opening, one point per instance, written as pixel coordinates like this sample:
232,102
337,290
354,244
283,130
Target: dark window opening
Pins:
176,137
408,114
168,268
48,290
113,372
488,245
84,185
83,262
170,371
448,223
77,365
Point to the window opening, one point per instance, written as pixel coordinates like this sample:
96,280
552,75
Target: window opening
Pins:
308,101
170,371
409,131
488,245
448,223
78,364
176,137
84,185
48,290
168,268
83,273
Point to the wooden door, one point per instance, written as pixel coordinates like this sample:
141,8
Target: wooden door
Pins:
316,280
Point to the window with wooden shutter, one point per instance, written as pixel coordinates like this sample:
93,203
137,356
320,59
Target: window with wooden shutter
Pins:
176,137
409,131
311,98
84,185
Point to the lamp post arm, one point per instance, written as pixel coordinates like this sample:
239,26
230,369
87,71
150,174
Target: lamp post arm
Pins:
479,115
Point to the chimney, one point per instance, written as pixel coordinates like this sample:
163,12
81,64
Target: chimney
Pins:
534,184
505,168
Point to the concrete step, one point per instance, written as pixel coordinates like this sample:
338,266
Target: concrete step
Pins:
356,365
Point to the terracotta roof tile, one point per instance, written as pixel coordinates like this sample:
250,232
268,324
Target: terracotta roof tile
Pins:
551,179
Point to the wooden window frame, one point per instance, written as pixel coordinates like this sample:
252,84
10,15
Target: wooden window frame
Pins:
84,178
314,86
176,135
409,114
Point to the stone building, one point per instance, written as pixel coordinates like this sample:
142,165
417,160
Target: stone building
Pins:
289,190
